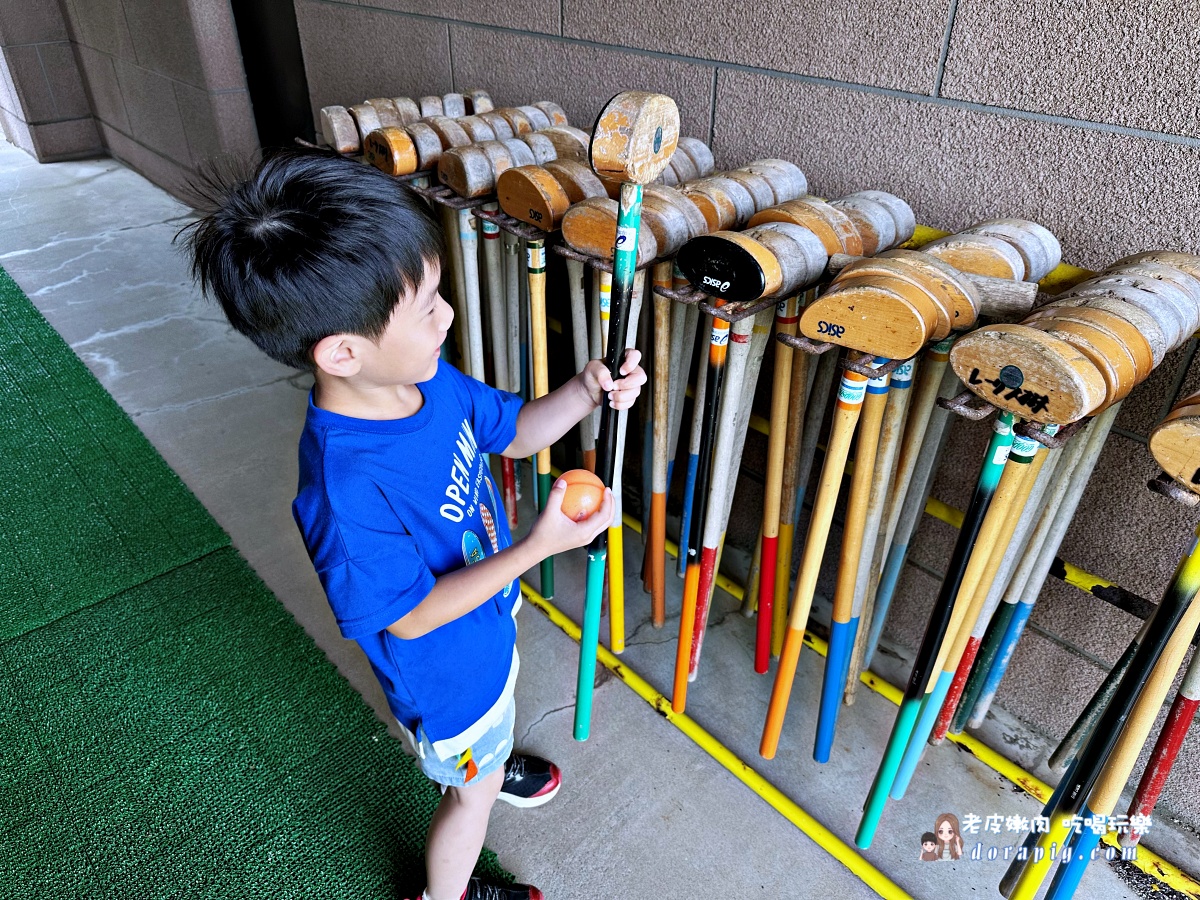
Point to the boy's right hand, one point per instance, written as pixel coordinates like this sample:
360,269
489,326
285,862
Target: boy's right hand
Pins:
554,531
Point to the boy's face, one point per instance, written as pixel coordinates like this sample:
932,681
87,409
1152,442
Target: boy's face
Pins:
929,846
409,349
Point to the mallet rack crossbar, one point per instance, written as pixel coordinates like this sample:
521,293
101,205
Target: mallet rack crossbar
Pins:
439,193
971,406
1165,485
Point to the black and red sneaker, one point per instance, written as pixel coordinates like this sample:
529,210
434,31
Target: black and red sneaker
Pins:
529,781
480,890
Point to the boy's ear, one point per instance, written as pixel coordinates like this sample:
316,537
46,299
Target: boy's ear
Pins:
339,355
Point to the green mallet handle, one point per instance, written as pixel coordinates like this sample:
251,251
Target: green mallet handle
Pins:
624,264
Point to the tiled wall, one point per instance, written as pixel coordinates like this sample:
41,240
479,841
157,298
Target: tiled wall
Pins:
43,105
1084,117
162,83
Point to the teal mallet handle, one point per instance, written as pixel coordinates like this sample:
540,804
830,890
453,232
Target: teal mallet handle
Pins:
624,263
939,619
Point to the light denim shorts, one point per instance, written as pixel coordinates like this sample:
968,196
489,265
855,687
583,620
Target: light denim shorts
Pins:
484,757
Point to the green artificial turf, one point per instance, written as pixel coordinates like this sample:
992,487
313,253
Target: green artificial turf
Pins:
166,728
87,506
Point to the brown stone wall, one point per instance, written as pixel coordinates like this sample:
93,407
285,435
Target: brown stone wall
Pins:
1083,117
164,80
43,105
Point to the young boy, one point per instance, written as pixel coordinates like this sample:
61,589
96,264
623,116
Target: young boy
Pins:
332,266
929,847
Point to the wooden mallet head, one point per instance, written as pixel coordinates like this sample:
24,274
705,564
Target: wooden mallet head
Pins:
533,195
1175,443
1029,372
634,136
391,150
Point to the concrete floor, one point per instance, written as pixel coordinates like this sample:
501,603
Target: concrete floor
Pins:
645,812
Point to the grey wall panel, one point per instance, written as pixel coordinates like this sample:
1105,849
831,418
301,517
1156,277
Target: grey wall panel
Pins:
524,68
164,38
543,16
47,82
1132,64
63,77
47,112
66,139
101,25
1105,195
216,124
890,43
31,23
32,87
163,171
100,75
217,40
351,54
154,117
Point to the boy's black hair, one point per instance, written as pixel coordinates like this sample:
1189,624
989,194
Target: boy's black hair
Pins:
311,244
929,838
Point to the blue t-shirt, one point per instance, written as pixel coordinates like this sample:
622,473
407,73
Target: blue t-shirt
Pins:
387,506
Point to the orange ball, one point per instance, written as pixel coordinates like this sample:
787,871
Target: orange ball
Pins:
585,493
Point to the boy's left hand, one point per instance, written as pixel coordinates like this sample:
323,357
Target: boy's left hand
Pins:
625,390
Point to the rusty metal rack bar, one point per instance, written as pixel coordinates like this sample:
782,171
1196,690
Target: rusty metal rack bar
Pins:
684,295
970,406
505,222
413,177
800,342
1167,486
1055,441
730,312
862,367
604,265
439,193
734,312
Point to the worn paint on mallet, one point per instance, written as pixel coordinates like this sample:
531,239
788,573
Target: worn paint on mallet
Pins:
633,140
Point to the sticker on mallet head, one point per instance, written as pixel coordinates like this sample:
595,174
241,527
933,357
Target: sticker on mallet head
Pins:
1011,377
